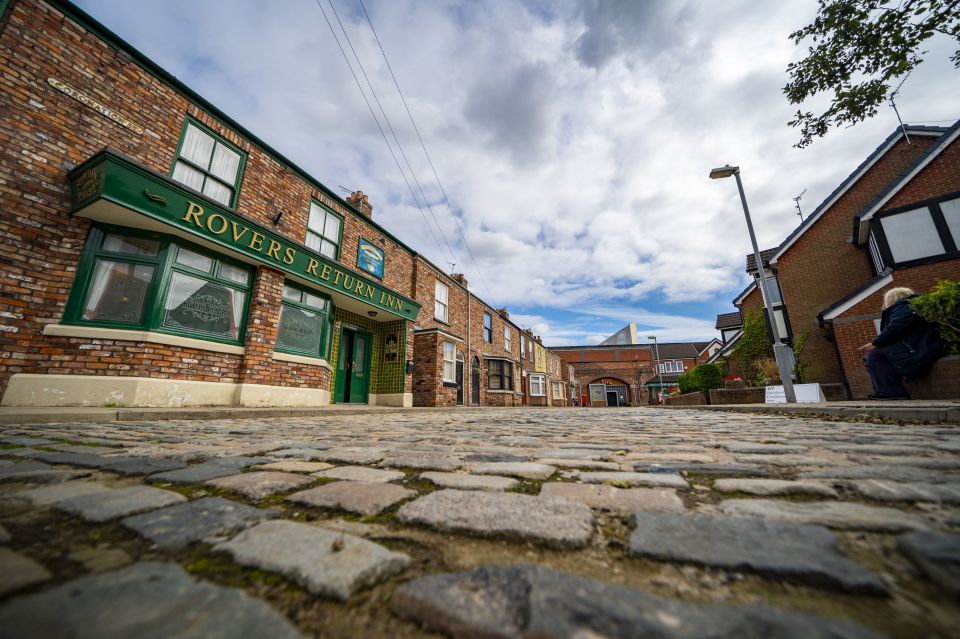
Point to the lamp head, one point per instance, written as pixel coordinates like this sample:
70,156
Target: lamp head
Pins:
724,172
653,337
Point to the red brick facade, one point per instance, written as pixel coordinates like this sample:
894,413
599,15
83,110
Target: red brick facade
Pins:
45,133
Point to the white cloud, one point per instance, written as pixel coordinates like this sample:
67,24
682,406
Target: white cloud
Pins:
574,139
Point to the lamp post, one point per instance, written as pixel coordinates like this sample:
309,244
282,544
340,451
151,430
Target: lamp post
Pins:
656,350
781,351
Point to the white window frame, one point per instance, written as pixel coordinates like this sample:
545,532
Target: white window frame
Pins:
507,335
441,302
538,384
558,390
523,347
449,363
672,366
318,238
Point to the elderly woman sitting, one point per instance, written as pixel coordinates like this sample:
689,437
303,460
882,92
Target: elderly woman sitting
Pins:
906,347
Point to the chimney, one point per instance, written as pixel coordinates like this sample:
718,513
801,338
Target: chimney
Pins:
459,278
358,199
502,312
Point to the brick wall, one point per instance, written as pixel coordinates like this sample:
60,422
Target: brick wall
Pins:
856,327
41,243
428,386
822,266
696,398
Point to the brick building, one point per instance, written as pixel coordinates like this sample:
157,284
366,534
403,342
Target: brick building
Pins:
823,280
157,253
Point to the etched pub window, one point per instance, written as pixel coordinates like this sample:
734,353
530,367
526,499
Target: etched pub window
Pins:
133,279
304,318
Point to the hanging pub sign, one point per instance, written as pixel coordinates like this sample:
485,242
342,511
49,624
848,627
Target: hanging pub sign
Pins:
370,258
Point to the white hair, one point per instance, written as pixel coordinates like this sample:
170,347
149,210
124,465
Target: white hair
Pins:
894,295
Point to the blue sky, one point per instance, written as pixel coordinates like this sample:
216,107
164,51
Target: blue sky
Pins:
572,138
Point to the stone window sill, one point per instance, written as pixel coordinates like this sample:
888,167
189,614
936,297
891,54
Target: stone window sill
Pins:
502,392
99,332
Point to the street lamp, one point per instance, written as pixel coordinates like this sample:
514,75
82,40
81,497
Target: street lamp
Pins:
656,350
780,350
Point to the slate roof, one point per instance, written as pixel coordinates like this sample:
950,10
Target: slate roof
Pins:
681,350
828,201
765,256
729,320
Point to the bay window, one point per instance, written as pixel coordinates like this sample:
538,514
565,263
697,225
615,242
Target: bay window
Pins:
499,374
537,386
131,279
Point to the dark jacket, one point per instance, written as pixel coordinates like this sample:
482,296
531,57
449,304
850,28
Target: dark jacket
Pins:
910,342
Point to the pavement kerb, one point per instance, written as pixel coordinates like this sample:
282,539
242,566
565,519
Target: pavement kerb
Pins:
933,413
86,414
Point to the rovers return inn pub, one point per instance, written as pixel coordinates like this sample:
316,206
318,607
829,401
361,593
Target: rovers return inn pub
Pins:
156,253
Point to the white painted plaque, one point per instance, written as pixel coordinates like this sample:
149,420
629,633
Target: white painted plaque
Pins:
806,394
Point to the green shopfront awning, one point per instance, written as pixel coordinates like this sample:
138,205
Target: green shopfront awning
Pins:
113,189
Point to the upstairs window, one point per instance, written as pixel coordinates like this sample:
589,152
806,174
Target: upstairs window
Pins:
672,366
324,231
441,302
912,235
523,346
304,322
487,328
507,335
208,164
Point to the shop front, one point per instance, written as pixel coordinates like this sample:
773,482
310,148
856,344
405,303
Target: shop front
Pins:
186,302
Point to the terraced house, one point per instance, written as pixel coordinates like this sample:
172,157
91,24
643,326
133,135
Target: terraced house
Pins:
156,253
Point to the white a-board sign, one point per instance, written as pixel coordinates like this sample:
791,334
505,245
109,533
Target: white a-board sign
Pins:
806,394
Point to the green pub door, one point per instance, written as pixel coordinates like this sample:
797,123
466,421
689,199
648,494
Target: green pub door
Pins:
353,367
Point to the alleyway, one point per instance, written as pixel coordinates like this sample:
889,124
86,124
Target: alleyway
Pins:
553,523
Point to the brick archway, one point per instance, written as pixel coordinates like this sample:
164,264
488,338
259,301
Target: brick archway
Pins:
613,384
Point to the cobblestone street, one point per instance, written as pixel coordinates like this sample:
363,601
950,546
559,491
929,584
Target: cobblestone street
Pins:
481,523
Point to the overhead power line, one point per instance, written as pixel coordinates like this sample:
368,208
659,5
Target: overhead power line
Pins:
379,126
396,139
423,146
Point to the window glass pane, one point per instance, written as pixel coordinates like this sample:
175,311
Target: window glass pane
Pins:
290,293
314,300
130,244
328,249
441,292
300,329
188,176
194,260
331,229
217,191
234,273
117,292
951,211
198,305
225,164
315,221
313,242
912,235
773,287
197,146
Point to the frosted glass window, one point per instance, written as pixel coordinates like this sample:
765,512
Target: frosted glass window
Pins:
194,260
117,292
912,235
951,212
203,306
130,244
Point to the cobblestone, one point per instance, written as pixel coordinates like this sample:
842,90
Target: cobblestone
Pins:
734,498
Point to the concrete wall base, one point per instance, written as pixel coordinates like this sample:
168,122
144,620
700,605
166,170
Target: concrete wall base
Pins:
110,390
402,400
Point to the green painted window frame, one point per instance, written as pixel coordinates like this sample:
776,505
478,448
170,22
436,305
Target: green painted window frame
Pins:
309,232
188,120
326,325
165,266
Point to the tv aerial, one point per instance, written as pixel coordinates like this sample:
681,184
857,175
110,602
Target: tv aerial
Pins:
796,202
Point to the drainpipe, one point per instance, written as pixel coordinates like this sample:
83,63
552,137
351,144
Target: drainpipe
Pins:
469,351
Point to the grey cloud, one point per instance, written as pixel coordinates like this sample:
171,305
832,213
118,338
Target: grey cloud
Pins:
614,27
512,109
